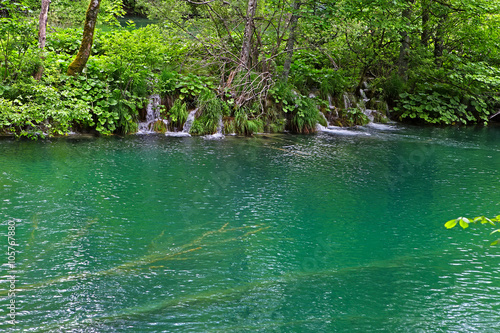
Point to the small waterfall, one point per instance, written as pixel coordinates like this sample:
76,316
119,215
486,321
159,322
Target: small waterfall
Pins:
319,127
186,127
152,115
218,134
153,108
368,112
189,121
332,107
351,101
362,93
347,101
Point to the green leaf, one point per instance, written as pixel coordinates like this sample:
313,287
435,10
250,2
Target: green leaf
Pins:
451,223
464,222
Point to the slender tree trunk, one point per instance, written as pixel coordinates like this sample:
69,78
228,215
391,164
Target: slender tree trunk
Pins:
247,42
80,61
426,33
439,42
42,34
247,37
404,49
291,39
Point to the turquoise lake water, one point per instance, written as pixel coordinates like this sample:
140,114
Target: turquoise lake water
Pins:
341,231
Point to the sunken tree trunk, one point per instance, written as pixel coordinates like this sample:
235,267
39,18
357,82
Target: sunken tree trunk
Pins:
291,39
42,34
80,61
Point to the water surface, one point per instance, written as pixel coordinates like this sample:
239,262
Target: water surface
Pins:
341,231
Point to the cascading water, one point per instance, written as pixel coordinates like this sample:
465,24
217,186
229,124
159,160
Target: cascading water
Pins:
369,113
189,121
187,125
218,134
350,101
152,115
331,106
347,101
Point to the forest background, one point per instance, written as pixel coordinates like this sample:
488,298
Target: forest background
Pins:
247,65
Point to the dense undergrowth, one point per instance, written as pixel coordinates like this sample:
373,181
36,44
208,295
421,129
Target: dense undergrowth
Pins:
129,64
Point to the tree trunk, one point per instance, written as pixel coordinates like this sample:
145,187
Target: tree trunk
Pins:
426,33
247,42
80,61
404,49
291,39
42,34
247,37
439,43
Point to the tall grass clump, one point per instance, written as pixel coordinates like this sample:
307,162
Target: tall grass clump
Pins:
177,115
244,125
305,117
209,115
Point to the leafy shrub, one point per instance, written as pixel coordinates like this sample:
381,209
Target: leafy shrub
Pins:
18,47
353,117
393,87
331,82
39,110
283,96
305,117
310,72
434,107
190,85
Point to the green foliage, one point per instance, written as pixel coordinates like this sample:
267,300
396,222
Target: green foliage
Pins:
274,119
453,77
67,13
191,85
68,41
35,110
353,117
459,92
282,94
332,83
305,116
309,74
18,46
210,110
393,87
178,114
465,222
244,125
433,107
167,82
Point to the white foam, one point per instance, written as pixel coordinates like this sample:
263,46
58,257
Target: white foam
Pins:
216,136
382,127
339,130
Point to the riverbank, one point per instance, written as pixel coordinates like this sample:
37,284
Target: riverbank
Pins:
150,78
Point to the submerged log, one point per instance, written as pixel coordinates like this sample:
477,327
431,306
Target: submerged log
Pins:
494,115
